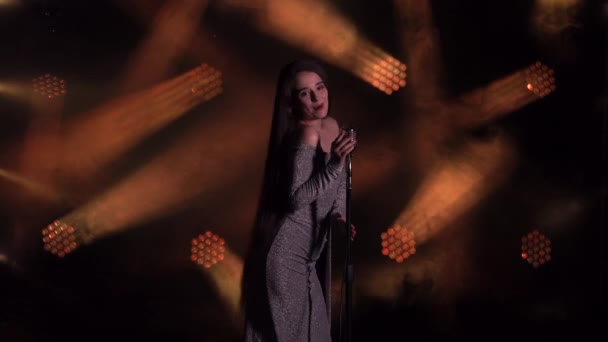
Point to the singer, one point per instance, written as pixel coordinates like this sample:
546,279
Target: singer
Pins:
287,276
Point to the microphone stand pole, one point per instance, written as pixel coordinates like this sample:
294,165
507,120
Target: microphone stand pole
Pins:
348,277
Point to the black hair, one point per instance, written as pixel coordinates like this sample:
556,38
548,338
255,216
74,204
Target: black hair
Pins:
271,205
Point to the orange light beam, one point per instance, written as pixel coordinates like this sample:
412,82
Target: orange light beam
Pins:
108,131
499,98
173,30
436,119
455,185
222,266
188,168
32,187
15,90
419,41
9,3
37,163
42,141
317,27
373,160
504,95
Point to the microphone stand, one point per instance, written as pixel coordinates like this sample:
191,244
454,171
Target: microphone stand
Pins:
348,276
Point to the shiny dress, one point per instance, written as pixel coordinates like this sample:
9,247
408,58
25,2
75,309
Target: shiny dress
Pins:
299,302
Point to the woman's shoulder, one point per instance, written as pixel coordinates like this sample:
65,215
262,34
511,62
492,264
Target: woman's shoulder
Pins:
330,122
331,127
308,136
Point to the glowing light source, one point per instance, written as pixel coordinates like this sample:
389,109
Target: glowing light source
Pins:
206,82
49,86
398,243
503,96
536,248
383,72
60,238
540,79
457,181
207,249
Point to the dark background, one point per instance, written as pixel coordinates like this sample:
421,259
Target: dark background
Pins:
139,284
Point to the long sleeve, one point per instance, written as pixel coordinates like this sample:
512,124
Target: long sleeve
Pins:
306,185
339,205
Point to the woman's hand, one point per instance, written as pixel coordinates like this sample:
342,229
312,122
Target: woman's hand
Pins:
342,146
340,222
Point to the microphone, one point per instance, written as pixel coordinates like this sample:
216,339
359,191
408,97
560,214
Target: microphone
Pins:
351,132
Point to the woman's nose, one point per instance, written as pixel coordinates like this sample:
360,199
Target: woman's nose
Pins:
313,96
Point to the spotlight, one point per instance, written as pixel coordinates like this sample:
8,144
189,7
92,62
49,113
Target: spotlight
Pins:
540,79
398,243
60,238
206,82
207,249
535,248
49,86
387,74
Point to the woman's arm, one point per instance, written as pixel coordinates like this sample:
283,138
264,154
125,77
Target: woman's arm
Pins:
306,186
339,205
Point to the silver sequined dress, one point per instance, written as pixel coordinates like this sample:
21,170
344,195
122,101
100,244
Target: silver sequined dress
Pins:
299,303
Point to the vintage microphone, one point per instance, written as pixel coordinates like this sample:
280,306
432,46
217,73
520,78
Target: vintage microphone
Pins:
348,275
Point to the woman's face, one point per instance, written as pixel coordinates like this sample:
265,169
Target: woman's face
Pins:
311,101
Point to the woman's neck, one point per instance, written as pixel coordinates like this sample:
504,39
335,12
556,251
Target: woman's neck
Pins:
317,124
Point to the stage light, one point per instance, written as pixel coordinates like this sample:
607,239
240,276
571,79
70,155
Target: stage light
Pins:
383,72
60,238
49,86
210,254
536,248
540,79
180,172
503,96
207,249
206,82
398,243
473,109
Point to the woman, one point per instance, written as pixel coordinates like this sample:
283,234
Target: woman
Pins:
303,190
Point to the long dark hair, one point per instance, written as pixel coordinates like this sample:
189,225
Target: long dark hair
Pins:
273,195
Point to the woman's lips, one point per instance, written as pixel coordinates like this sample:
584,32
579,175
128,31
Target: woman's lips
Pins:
319,106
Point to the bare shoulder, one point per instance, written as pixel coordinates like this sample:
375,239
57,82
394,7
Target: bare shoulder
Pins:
331,127
309,136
